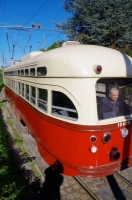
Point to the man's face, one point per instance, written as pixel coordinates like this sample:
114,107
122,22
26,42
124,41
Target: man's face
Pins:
114,95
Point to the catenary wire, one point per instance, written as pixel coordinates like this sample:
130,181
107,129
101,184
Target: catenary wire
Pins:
37,12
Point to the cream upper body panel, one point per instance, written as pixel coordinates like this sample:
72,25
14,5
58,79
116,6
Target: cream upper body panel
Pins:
79,61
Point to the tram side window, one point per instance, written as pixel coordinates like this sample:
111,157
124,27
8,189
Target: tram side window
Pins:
42,99
11,72
22,72
26,72
23,89
33,95
114,98
41,71
27,92
16,83
62,106
32,71
11,84
19,88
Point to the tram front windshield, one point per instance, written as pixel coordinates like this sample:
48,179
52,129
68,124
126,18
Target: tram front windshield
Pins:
114,98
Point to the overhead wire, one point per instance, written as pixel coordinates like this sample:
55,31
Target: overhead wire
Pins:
19,12
47,36
27,42
53,32
3,11
10,18
55,38
36,12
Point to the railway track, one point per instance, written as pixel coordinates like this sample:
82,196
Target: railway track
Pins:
113,187
86,188
117,186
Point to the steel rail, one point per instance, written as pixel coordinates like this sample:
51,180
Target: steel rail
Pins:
124,179
86,188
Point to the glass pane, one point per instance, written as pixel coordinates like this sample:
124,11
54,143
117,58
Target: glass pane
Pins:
22,72
42,99
27,92
19,88
41,71
12,84
63,106
23,89
26,72
33,95
16,86
32,71
114,98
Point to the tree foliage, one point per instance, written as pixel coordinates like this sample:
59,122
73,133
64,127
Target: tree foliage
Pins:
1,79
1,74
100,22
53,46
12,184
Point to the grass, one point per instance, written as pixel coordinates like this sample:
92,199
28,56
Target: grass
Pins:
1,85
1,104
12,183
20,144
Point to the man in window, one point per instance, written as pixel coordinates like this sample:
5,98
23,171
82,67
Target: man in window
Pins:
113,106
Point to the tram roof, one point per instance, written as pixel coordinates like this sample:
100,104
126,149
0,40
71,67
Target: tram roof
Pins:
80,61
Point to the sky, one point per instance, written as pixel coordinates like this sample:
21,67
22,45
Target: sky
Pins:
23,13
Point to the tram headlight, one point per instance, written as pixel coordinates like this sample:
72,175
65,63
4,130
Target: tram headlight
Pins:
106,137
94,149
124,132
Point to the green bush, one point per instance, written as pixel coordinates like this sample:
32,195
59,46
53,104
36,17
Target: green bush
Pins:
1,85
12,184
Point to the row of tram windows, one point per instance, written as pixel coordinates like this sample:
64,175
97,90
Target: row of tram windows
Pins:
40,71
114,98
61,105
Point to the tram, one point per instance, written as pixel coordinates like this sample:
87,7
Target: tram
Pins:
57,95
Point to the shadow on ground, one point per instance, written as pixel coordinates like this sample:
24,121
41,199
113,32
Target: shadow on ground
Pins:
50,189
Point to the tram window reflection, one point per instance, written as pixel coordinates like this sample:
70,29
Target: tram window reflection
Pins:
19,88
42,99
26,72
27,92
62,106
33,95
23,89
114,98
32,71
41,71
22,72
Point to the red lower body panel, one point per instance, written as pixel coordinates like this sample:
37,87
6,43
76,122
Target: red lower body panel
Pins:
69,143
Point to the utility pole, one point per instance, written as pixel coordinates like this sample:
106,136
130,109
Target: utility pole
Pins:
44,42
3,59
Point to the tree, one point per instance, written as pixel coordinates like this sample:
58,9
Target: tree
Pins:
53,46
1,74
100,22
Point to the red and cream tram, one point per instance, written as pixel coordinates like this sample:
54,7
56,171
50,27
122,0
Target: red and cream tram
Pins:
58,95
